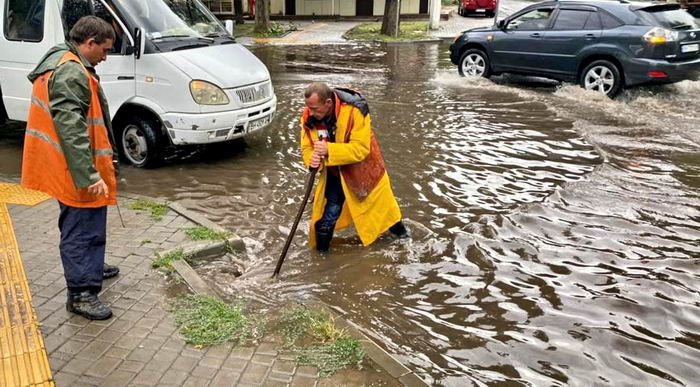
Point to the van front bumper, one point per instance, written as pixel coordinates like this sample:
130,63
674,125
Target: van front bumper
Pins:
638,70
207,128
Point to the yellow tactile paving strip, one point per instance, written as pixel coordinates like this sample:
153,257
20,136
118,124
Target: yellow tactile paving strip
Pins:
23,358
14,194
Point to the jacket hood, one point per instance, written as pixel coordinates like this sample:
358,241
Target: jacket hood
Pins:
227,66
50,60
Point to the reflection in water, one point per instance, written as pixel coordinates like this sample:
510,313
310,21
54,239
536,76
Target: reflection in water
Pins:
555,232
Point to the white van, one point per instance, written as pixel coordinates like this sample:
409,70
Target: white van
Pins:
175,76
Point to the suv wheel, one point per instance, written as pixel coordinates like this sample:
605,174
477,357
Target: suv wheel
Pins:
602,76
138,141
474,63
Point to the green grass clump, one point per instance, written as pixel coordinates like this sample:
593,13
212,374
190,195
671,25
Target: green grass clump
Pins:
276,30
157,210
205,320
408,31
166,261
200,233
332,349
331,357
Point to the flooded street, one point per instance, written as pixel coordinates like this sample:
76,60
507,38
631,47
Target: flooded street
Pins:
556,233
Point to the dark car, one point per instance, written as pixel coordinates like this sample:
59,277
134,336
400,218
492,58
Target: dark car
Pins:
483,7
602,45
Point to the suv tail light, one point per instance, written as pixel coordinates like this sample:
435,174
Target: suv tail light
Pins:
659,35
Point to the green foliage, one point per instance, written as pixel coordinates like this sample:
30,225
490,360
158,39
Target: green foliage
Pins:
205,321
408,31
331,357
166,261
450,2
157,210
332,349
204,233
276,30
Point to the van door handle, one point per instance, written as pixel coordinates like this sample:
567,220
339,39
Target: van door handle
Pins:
590,36
536,35
125,78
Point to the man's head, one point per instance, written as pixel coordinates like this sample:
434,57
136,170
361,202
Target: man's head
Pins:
319,99
93,37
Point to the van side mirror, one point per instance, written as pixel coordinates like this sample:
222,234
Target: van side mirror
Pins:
139,42
501,24
229,26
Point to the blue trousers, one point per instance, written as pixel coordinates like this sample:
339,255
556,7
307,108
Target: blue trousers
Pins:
83,239
335,198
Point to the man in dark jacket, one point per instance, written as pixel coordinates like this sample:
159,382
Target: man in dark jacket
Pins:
69,128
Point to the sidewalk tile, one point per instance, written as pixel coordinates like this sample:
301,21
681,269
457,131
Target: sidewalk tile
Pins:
254,374
173,377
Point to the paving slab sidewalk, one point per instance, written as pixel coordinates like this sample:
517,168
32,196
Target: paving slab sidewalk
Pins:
140,345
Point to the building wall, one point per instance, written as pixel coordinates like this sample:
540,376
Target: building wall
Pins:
407,7
277,7
315,7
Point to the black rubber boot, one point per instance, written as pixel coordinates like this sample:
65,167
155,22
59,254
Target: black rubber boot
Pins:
88,305
323,240
399,230
109,271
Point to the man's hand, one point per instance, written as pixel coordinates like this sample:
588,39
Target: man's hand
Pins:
315,161
321,148
99,189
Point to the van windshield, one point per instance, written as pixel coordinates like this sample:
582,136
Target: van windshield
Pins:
163,19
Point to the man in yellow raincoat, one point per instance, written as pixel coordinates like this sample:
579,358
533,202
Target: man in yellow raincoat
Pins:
354,188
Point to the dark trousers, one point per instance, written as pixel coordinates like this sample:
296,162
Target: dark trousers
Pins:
334,204
83,239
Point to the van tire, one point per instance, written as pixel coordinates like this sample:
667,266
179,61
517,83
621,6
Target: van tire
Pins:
139,142
604,69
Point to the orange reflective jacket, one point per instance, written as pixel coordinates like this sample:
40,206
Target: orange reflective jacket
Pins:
44,166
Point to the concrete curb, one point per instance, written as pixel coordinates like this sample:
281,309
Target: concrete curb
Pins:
198,250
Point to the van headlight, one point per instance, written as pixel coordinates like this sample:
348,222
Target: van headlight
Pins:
205,93
659,35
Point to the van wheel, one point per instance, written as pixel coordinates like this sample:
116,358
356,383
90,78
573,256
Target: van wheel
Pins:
602,76
474,63
139,142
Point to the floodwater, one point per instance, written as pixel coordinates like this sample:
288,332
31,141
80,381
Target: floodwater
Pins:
556,233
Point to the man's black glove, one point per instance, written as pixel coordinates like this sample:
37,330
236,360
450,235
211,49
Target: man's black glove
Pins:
115,163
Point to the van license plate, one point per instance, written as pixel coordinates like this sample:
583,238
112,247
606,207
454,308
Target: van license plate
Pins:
480,10
259,123
690,48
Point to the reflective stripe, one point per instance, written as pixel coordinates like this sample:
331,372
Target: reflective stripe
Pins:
36,101
96,121
43,136
102,152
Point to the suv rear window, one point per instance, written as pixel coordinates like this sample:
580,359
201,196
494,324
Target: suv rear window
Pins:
675,19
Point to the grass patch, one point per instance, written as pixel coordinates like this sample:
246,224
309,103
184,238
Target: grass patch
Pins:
157,210
331,357
200,233
205,321
276,30
408,31
166,261
331,349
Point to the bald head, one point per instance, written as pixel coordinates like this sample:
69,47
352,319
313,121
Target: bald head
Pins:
319,99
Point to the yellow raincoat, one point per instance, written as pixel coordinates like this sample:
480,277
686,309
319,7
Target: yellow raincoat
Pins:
378,211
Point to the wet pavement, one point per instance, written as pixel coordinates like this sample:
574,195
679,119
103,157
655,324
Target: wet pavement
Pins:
555,231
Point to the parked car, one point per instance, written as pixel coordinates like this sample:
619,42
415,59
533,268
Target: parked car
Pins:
175,76
602,45
482,7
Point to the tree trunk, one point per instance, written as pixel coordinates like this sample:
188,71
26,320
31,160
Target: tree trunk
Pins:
390,22
238,10
262,16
